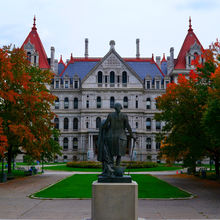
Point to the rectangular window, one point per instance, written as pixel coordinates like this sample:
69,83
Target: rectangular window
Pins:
87,104
157,84
136,104
76,84
118,79
148,84
106,79
57,84
66,84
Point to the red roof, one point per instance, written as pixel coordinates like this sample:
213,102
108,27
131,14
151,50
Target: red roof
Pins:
188,42
34,39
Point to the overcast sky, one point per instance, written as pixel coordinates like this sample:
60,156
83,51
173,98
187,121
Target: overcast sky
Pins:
64,24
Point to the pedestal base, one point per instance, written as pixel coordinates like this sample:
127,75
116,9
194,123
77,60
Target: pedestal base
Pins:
116,179
114,201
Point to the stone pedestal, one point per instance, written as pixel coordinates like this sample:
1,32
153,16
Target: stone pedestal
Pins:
114,201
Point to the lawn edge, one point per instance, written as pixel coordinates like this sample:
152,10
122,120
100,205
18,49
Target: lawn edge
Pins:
31,196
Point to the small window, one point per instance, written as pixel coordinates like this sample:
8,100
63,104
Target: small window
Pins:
75,144
148,84
125,102
136,124
66,124
136,104
87,124
75,103
57,103
112,77
66,84
189,60
157,84
57,84
76,84
35,60
106,79
65,143
56,122
75,124
157,145
124,77
99,77
118,79
98,102
29,56
158,125
112,102
87,103
148,124
98,122
148,103
148,144
66,103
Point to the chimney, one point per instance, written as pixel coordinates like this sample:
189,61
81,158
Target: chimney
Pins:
137,48
172,54
52,53
158,61
86,47
112,44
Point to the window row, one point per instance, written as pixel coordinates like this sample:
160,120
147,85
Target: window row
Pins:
64,83
112,78
157,84
66,144
149,144
66,103
66,123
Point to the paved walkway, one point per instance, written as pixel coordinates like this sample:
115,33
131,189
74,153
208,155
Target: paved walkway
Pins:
15,203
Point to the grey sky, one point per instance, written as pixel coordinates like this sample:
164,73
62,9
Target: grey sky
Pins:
65,24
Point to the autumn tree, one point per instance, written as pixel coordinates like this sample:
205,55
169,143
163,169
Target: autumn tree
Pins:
25,107
190,110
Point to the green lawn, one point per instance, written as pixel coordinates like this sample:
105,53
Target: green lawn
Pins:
65,168
79,186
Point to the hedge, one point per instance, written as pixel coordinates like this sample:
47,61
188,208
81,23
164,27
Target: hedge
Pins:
128,164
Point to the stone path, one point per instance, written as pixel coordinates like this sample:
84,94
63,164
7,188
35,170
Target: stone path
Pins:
15,203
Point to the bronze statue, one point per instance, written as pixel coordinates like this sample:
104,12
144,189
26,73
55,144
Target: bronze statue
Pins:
112,141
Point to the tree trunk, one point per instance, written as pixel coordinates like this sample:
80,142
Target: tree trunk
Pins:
9,159
216,159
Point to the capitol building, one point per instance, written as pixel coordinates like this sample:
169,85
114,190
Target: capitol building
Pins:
88,87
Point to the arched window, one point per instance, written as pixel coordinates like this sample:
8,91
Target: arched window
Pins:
56,122
157,145
112,102
65,143
57,103
148,124
66,103
75,103
98,102
112,77
75,124
99,77
148,103
66,124
125,102
124,77
65,158
75,144
148,144
29,56
98,122
158,125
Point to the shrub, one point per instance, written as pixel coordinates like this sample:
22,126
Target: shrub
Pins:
128,164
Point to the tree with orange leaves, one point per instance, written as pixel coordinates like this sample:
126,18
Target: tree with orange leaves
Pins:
25,107
192,130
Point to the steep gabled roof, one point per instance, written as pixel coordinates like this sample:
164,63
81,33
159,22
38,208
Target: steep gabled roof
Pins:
188,42
34,39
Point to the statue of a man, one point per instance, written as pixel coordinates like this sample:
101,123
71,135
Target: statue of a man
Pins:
114,141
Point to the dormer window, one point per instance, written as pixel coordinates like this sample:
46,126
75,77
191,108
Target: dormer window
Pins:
29,56
148,84
189,60
66,84
124,77
112,77
35,60
76,84
99,77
